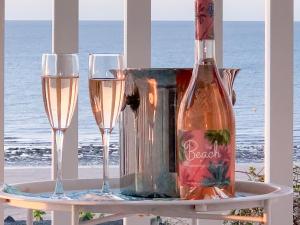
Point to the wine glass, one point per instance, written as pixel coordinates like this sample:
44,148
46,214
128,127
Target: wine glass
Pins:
106,87
60,76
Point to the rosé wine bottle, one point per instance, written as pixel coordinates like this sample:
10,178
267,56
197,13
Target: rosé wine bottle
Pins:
206,125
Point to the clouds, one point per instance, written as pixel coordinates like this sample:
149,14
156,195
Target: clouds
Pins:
101,9
172,9
28,9
244,10
241,10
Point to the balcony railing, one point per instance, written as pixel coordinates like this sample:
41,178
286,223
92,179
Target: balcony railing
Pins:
137,42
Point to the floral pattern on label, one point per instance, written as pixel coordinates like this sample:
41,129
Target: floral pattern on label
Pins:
204,158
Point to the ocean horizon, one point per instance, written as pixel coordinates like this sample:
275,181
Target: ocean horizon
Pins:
27,131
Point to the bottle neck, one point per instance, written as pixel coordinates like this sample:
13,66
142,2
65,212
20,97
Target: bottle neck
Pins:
204,49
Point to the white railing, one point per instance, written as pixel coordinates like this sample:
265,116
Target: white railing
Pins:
219,58
137,50
137,33
65,25
279,21
137,43
2,18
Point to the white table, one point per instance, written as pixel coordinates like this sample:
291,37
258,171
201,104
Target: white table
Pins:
254,195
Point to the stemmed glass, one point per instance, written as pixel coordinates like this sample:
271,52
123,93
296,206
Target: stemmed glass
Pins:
106,87
60,75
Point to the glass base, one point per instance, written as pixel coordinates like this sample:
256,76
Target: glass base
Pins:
101,196
59,196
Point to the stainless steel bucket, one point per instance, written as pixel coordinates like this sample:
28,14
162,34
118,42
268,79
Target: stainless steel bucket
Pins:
148,129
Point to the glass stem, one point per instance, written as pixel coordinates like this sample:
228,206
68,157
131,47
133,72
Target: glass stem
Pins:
105,141
59,139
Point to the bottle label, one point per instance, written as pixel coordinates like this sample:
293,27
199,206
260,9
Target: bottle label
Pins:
204,19
204,158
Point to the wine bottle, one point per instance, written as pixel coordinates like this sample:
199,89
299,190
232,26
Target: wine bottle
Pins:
206,124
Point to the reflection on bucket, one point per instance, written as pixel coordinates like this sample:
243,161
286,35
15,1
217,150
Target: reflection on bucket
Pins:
148,129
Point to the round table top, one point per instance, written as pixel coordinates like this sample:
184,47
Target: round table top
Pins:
36,195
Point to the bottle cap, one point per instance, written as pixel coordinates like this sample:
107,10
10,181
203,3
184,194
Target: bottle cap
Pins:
204,19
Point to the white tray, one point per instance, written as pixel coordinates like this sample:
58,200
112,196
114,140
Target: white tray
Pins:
250,194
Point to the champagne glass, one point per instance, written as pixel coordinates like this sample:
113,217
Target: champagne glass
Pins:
60,75
106,87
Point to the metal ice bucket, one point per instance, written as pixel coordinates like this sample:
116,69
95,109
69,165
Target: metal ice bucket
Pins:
148,129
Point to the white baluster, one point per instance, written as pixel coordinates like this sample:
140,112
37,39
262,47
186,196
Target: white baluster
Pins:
279,52
219,58
137,220
2,37
137,45
29,220
65,40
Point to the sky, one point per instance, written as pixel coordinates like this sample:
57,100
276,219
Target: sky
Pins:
234,10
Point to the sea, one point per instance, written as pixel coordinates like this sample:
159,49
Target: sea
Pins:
27,131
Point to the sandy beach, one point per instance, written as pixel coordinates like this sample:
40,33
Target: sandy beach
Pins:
29,174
